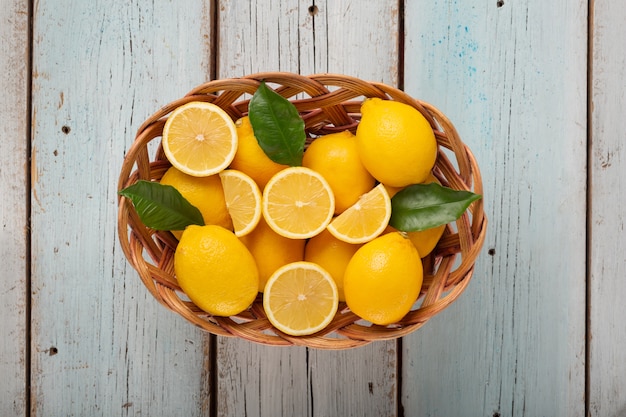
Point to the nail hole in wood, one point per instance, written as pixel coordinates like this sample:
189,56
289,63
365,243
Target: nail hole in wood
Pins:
53,351
496,414
66,129
491,251
500,3
313,10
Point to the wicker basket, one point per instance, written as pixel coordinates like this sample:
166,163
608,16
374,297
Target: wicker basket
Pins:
328,103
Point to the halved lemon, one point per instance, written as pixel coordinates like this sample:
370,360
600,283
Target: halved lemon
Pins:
365,219
298,203
199,139
243,200
300,298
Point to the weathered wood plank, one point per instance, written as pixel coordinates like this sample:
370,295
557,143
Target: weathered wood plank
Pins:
329,36
14,172
607,261
102,346
512,77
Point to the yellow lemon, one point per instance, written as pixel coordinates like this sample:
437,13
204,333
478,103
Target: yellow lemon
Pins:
365,219
426,240
216,270
271,250
199,139
300,299
243,200
423,240
383,279
250,157
395,142
392,190
331,254
298,203
205,193
335,156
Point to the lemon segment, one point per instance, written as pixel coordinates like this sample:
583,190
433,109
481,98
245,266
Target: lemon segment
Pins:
364,220
199,139
243,200
300,298
298,203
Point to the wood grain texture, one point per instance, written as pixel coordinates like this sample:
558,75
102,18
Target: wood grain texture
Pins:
101,345
14,172
607,261
512,77
330,36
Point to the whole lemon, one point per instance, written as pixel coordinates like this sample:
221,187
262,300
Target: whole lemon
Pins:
383,279
395,142
335,156
216,270
250,157
205,193
271,250
331,254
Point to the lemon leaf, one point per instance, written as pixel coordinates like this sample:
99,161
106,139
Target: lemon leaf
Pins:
162,207
424,206
277,126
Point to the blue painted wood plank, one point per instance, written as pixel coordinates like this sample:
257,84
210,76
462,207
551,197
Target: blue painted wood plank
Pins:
101,344
607,260
512,77
14,214
347,37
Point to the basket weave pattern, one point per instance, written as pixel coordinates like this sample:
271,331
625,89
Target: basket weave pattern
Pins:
328,103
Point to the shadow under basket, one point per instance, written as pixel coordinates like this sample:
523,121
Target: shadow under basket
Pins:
327,103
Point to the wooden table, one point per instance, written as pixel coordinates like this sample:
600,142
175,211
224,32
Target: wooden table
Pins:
536,89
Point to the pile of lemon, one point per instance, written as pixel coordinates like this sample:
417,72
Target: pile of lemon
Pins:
308,236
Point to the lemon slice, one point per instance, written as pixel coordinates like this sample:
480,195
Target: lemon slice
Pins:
243,200
300,298
298,203
365,219
199,139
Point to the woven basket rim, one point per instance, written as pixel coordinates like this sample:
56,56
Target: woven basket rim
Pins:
327,103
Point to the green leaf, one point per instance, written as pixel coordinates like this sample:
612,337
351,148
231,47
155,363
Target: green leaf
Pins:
277,126
423,206
161,206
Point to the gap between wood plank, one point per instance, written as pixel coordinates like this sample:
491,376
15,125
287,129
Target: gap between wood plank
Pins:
213,62
401,36
213,42
399,347
28,185
588,225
